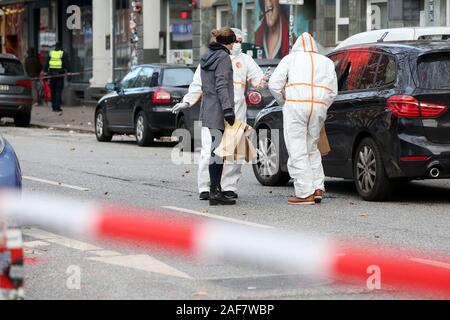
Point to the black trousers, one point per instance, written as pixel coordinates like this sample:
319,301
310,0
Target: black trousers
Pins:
57,87
216,163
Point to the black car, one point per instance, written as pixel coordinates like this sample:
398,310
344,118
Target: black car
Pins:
141,103
257,99
390,122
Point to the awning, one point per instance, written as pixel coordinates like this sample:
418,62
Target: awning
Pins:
8,2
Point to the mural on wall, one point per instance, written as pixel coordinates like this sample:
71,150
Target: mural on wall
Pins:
270,24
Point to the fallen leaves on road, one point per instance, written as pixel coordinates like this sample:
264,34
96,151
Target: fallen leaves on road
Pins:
200,294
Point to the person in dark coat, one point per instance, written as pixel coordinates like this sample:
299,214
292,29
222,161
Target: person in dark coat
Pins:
218,103
56,68
33,68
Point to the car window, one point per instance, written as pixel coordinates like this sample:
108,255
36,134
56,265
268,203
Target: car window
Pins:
360,70
180,77
130,79
10,67
387,71
339,60
434,71
145,78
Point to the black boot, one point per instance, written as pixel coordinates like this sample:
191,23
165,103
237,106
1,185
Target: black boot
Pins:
216,198
204,196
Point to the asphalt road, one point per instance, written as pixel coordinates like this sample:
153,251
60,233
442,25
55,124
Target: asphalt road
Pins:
120,172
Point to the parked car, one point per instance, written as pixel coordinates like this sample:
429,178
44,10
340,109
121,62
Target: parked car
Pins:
389,123
10,173
15,91
397,34
257,99
11,250
141,103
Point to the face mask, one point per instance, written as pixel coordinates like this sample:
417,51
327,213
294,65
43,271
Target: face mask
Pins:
237,49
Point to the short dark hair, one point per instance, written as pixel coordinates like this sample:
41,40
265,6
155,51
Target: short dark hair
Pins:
58,46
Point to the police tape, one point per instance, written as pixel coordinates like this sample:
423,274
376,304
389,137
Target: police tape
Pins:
276,250
69,74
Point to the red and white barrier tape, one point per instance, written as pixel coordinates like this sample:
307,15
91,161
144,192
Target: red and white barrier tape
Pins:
276,250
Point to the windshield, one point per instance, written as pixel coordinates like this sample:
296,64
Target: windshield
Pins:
179,77
11,68
434,71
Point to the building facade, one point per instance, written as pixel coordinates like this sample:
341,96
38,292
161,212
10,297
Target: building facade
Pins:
106,38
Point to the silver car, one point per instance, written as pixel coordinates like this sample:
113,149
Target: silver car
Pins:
15,91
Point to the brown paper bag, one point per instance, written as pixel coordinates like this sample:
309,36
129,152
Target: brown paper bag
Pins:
236,144
324,144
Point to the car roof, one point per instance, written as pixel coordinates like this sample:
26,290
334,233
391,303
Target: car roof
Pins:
164,66
419,46
394,34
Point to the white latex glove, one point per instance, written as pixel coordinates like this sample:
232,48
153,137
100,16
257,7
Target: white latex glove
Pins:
180,106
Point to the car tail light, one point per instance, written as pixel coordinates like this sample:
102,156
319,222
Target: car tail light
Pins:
415,158
410,107
254,98
26,84
161,96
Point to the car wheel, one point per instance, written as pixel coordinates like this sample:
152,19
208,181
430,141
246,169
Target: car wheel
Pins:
267,167
370,175
144,137
101,130
23,121
186,135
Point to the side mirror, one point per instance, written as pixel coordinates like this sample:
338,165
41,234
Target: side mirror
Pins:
111,86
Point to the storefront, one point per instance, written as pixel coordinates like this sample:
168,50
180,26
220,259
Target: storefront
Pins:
179,36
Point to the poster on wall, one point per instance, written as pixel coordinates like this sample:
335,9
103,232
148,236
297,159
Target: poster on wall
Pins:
270,24
183,57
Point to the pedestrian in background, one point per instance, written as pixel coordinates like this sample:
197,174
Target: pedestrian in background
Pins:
305,84
218,104
33,68
56,68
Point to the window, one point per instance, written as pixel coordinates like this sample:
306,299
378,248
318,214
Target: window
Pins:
11,68
359,72
130,79
369,68
434,71
145,78
377,14
342,20
387,71
181,77
338,60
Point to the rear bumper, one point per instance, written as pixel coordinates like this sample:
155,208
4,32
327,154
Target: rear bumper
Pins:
14,109
161,120
438,156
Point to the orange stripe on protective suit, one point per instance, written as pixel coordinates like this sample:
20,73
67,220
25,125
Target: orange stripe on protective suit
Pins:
308,85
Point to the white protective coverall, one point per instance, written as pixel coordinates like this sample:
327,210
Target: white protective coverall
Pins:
245,70
305,83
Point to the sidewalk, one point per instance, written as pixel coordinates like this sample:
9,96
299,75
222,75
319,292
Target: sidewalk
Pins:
72,118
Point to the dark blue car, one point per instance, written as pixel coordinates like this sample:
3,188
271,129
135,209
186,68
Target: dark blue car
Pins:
10,173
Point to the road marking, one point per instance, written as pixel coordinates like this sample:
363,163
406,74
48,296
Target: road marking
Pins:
54,183
35,244
139,262
213,216
433,263
143,263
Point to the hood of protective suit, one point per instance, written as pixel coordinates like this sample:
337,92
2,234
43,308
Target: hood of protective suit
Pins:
305,43
210,60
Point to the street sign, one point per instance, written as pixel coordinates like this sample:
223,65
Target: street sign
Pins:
293,2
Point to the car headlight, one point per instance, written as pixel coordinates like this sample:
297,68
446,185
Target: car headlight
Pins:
2,144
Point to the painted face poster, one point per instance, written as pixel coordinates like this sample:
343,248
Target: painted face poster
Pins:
271,25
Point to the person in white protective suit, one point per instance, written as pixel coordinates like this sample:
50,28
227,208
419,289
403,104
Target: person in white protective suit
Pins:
245,70
305,84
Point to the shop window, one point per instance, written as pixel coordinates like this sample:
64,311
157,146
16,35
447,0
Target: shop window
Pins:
180,32
122,39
